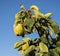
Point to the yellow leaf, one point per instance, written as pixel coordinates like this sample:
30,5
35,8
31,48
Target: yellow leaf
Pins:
47,15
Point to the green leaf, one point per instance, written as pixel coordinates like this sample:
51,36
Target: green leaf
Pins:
50,41
46,54
17,16
44,39
43,47
21,52
29,49
47,15
53,52
58,43
29,22
57,37
26,39
57,50
51,30
19,48
40,54
18,44
32,53
33,29
20,16
37,24
53,25
27,30
37,49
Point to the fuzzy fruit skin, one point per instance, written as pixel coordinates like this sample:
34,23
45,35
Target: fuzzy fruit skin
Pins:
18,29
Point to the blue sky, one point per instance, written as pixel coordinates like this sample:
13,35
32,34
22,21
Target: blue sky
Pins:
8,9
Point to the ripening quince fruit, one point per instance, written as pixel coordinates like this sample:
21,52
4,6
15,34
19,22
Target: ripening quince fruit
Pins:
24,47
18,29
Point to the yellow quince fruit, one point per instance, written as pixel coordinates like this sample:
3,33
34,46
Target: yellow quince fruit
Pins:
24,47
18,29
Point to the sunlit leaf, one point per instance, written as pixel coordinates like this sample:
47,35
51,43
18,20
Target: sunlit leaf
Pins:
57,50
51,30
21,52
19,48
53,52
26,39
37,49
18,44
37,24
29,49
43,47
43,38
28,22
46,54
33,29
58,43
53,25
48,14
40,54
17,16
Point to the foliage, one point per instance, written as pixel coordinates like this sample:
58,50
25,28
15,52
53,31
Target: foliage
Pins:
26,23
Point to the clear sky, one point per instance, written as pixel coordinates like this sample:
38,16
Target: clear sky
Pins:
8,9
